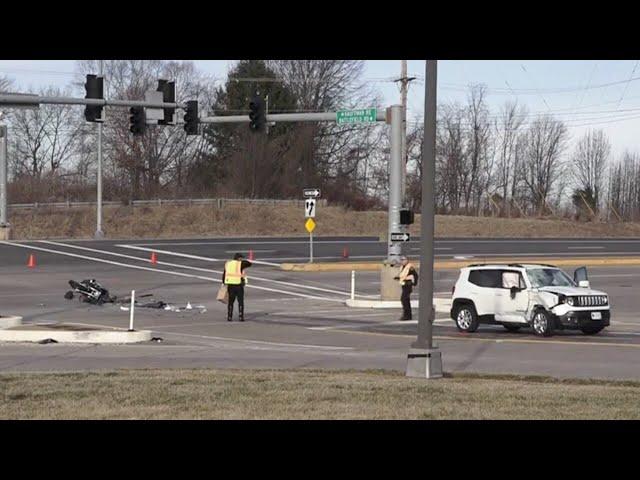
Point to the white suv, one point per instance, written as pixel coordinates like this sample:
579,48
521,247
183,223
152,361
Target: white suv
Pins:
517,295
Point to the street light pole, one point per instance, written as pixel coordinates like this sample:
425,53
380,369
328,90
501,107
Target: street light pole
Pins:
424,360
99,232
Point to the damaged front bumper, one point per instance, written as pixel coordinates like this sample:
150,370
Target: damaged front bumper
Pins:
569,319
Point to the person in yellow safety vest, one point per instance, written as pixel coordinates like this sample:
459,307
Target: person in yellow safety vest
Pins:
235,279
408,278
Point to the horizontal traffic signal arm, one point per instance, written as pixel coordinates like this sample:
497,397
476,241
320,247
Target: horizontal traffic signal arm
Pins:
13,99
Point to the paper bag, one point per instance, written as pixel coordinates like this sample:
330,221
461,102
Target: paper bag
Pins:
223,294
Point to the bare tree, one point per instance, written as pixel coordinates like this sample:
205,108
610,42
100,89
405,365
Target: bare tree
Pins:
545,141
5,83
507,127
158,161
44,139
589,161
478,148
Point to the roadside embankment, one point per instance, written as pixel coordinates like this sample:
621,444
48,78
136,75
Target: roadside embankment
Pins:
171,221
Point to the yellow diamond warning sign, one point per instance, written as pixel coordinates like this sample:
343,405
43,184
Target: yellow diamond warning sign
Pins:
310,225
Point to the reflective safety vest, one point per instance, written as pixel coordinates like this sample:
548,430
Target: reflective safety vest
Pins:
404,274
233,273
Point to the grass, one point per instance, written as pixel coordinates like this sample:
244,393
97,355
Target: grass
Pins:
237,220
308,394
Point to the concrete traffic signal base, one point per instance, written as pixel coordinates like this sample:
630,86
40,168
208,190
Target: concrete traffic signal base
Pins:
5,233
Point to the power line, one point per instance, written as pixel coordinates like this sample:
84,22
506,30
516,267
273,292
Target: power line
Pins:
627,84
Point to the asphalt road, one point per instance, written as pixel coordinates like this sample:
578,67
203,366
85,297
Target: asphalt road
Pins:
294,319
370,248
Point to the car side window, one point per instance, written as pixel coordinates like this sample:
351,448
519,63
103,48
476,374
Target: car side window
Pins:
486,278
510,279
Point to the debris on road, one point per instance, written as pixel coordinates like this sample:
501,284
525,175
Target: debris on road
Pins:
89,291
47,340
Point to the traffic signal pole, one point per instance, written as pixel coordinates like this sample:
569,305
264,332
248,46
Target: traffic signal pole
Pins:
3,181
17,100
424,360
99,232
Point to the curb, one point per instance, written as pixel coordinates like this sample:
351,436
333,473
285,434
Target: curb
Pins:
453,264
37,333
10,321
442,305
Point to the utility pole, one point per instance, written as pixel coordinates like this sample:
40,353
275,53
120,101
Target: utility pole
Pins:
99,232
404,90
4,225
424,360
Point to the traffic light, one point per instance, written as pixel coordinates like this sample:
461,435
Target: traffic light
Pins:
168,90
137,120
191,118
406,216
94,88
257,114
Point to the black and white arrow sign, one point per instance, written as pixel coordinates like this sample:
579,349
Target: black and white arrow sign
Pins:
400,237
310,208
311,192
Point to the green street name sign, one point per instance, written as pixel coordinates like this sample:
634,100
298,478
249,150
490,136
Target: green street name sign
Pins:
356,116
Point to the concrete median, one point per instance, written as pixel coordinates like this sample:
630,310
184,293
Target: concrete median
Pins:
72,333
10,321
454,264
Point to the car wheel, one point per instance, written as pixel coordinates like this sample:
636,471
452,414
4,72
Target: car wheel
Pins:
591,330
512,327
542,324
466,318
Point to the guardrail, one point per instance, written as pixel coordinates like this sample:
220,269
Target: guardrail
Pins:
218,202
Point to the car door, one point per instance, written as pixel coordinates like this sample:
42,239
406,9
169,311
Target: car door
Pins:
514,298
485,289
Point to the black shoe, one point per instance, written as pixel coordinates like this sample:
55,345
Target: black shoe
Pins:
242,319
229,319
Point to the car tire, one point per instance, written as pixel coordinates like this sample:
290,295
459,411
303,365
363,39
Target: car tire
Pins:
542,323
512,327
591,330
466,318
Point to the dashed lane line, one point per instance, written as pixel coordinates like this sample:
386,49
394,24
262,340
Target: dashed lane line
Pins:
187,255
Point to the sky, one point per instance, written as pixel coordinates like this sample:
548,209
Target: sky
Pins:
602,94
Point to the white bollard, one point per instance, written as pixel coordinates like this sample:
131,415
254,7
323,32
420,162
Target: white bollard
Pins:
133,302
353,284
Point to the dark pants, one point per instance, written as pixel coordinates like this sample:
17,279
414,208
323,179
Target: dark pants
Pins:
406,301
235,291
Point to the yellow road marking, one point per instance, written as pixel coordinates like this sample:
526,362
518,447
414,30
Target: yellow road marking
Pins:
452,264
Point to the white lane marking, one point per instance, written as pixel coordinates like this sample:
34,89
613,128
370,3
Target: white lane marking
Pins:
261,342
542,254
188,267
193,257
168,272
579,248
435,248
309,312
541,240
305,259
247,251
255,242
404,322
